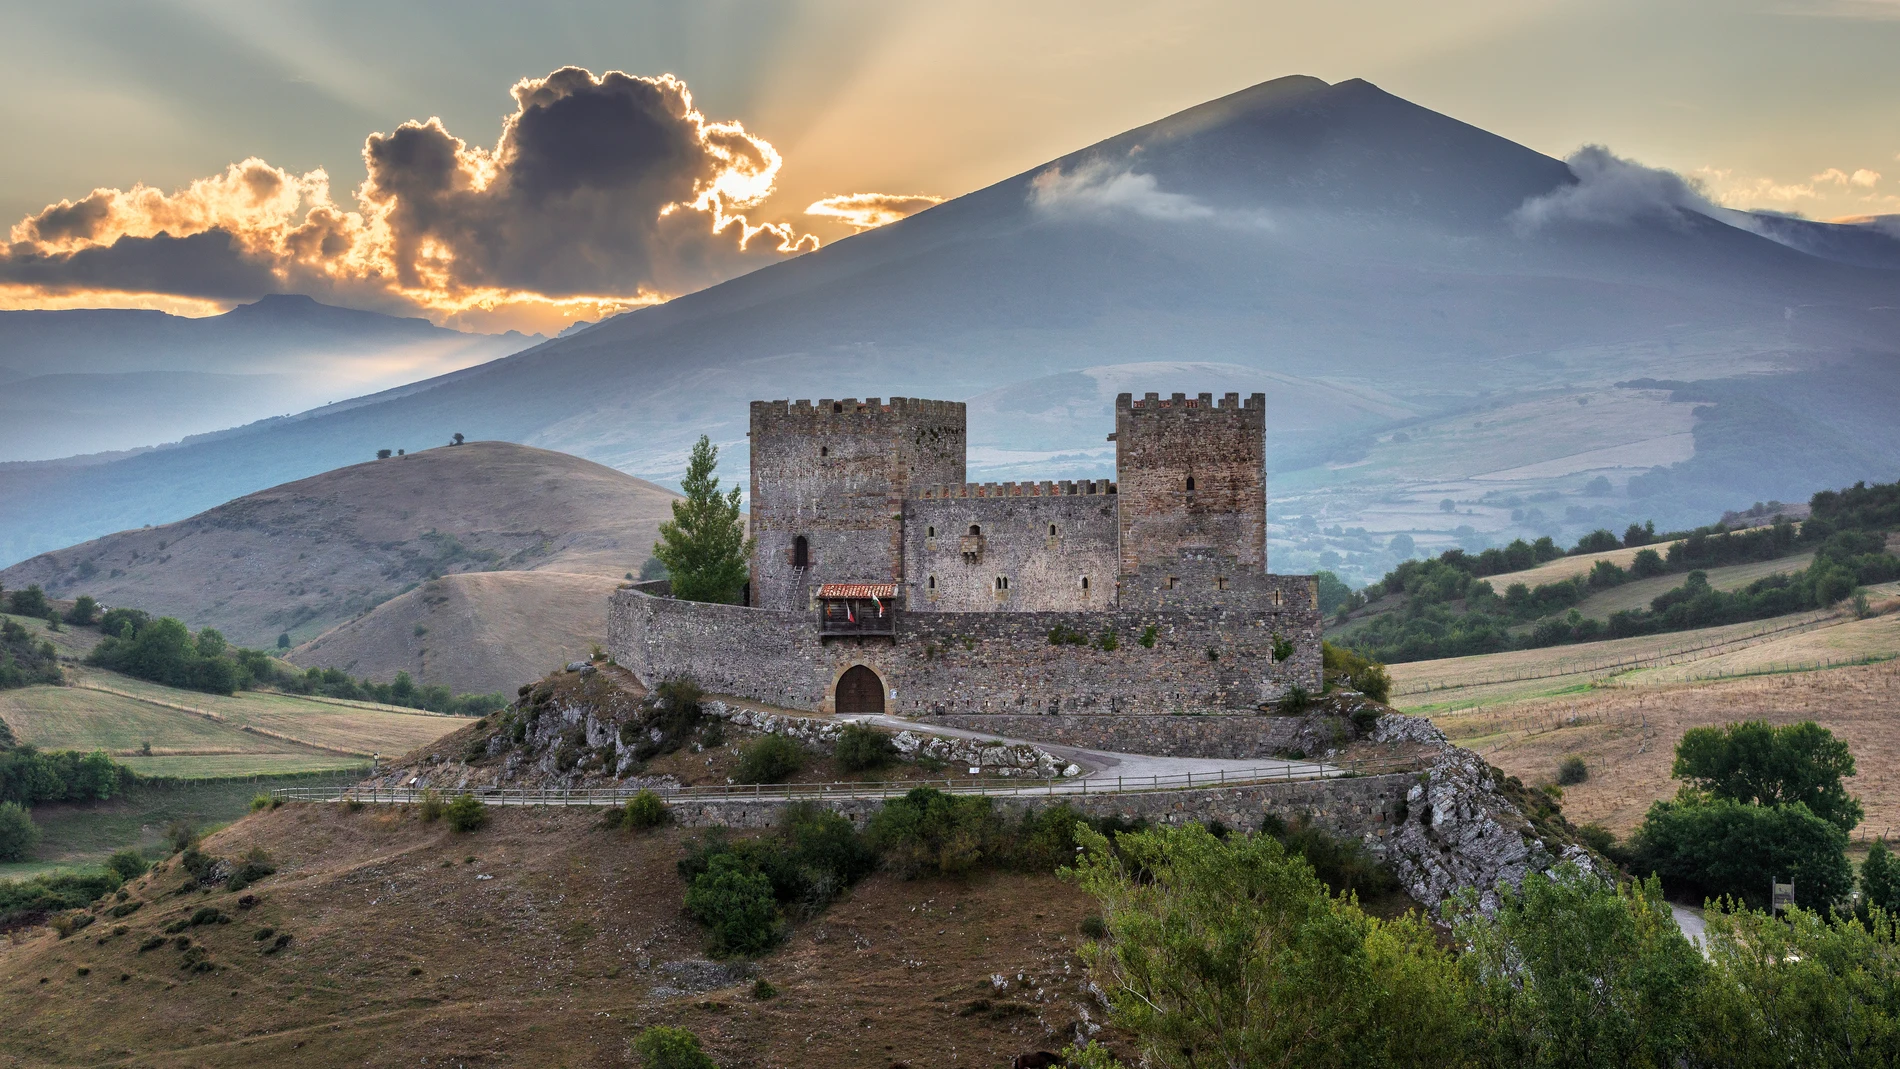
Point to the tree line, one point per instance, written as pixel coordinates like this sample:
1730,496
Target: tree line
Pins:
164,650
1450,610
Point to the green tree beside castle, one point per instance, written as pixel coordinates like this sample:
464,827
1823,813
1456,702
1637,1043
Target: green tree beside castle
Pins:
704,546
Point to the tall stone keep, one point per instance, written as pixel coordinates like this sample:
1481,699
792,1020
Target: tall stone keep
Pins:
829,482
1192,506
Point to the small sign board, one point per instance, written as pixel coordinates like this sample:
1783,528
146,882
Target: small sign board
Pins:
1782,897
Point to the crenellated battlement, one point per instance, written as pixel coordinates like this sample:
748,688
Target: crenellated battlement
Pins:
1046,488
1154,404
849,407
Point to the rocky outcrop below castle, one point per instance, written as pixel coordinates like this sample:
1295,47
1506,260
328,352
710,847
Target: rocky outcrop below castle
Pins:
1466,824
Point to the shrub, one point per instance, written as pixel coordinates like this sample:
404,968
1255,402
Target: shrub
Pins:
643,810
762,989
18,834
128,864
1148,636
1572,772
928,832
1295,700
665,1047
1598,838
466,813
85,611
265,800
1715,847
860,748
1880,878
1343,865
1094,927
255,866
769,759
26,899
1348,667
735,903
431,807
1108,641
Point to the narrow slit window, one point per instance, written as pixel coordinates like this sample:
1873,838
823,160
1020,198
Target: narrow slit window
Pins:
1171,581
933,582
975,530
930,532
801,552
1052,530
1002,582
1085,582
1190,482
824,450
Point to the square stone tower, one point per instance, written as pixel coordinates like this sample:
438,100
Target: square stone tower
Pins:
828,487
1193,496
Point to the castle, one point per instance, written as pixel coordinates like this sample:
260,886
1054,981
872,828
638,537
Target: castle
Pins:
882,582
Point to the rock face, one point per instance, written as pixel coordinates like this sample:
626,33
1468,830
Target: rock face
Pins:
1466,824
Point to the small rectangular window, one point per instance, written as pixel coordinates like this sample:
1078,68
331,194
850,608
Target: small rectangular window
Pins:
933,582
930,532
1171,582
1085,582
1052,530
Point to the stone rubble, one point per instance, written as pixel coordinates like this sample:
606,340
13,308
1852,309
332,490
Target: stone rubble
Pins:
1019,760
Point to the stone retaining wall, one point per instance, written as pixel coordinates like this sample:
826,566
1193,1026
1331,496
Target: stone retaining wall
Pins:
1349,808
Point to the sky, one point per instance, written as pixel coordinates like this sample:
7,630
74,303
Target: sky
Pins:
494,166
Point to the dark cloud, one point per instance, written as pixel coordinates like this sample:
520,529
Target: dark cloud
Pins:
605,190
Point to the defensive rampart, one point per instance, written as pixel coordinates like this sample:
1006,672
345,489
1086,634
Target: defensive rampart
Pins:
950,663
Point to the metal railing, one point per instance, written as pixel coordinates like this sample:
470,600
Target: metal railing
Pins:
789,792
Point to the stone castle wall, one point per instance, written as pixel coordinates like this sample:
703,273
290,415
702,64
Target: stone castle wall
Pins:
945,663
1192,479
1036,547
837,473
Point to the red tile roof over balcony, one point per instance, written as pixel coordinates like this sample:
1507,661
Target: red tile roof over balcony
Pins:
857,590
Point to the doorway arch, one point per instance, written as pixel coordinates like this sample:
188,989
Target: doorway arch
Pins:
859,691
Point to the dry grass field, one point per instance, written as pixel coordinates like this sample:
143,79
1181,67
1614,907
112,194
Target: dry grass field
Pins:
1454,683
475,632
207,735
1627,736
541,940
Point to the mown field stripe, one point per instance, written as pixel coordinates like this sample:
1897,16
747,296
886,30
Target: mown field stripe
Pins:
217,718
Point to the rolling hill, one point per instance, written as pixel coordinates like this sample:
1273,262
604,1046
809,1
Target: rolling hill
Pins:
1372,264
476,632
308,555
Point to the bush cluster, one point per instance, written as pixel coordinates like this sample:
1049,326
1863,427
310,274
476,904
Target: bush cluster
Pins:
23,661
769,759
164,651
1233,952
737,888
860,748
29,776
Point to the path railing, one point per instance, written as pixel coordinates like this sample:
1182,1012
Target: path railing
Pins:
1099,783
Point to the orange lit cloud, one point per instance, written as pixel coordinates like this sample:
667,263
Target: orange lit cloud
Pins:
866,210
601,194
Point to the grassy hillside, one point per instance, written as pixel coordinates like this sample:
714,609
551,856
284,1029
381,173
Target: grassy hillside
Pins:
476,632
541,940
308,555
1623,705
193,734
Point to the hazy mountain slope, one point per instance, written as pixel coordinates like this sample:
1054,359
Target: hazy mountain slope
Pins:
475,632
105,379
1349,252
308,555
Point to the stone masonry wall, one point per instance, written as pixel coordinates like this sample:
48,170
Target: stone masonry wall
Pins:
1192,480
837,473
1233,737
985,663
1050,549
1369,806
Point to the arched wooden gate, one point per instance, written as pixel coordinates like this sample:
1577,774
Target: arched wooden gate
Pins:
860,691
